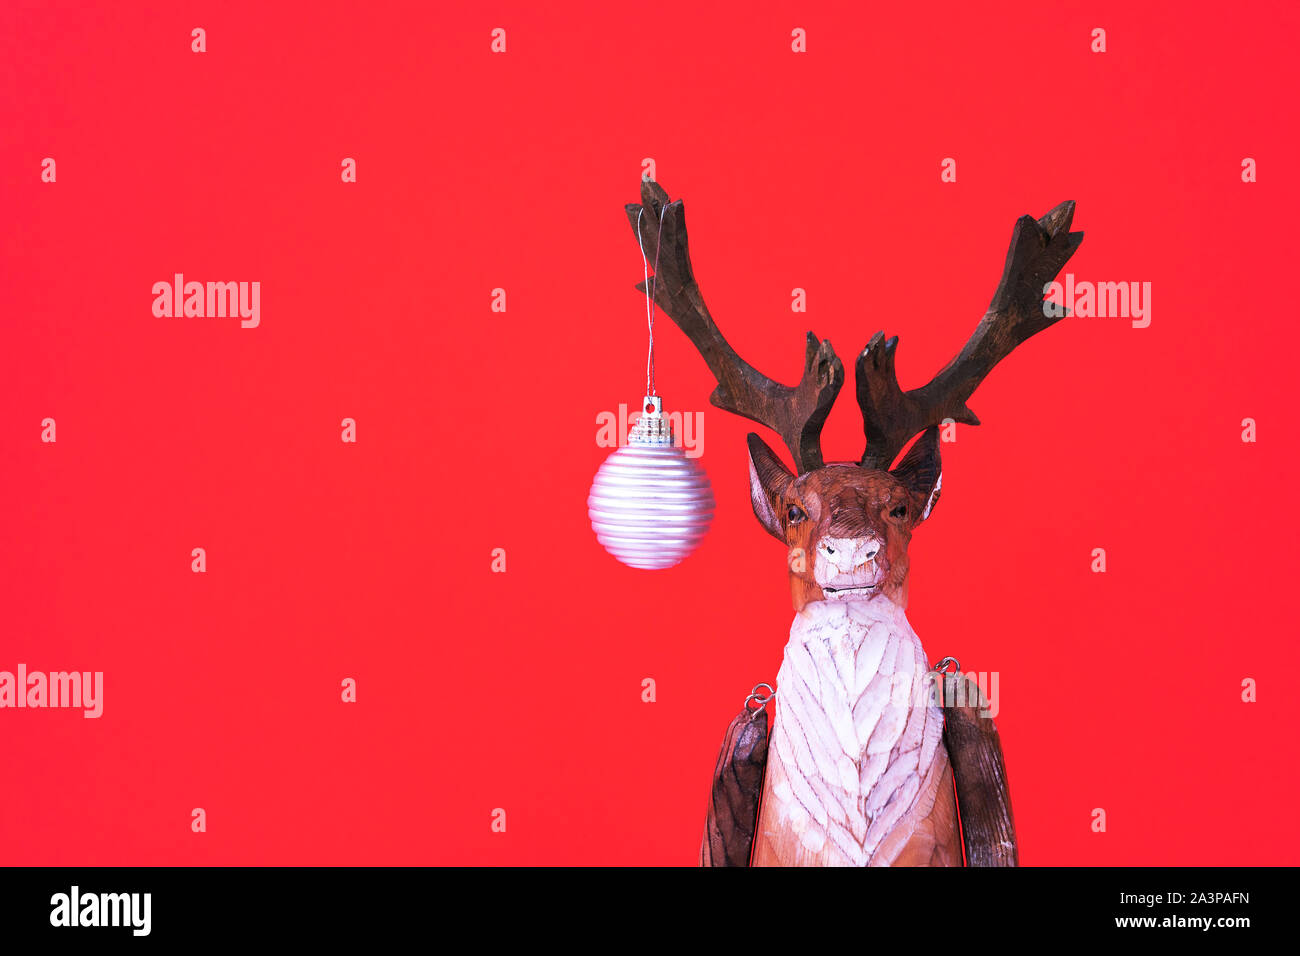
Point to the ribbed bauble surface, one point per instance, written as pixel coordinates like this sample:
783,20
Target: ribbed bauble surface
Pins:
650,505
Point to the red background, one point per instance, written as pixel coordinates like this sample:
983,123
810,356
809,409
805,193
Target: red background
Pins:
477,429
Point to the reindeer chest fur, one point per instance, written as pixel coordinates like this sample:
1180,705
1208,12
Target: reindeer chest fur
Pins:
856,763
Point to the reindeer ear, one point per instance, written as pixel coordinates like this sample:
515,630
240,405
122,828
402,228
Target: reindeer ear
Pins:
921,471
769,480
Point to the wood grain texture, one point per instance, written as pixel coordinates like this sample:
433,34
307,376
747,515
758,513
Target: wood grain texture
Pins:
890,416
856,751
928,835
796,413
734,796
983,794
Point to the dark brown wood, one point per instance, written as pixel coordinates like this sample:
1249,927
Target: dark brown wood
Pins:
983,796
737,788
796,413
891,417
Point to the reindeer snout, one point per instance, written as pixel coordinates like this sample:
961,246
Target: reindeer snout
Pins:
848,554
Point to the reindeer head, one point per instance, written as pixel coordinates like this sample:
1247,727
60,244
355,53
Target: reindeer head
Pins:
847,526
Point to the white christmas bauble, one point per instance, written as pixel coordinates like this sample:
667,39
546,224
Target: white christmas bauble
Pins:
650,505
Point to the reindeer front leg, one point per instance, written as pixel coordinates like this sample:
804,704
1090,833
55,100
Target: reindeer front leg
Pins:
737,789
983,796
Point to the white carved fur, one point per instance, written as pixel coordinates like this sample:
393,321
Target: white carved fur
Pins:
856,742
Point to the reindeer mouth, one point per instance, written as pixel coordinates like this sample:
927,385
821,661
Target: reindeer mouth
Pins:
835,593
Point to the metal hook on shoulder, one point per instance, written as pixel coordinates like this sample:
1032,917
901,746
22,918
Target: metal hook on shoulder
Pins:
757,698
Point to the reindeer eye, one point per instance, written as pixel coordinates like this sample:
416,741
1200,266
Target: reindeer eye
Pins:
899,512
795,514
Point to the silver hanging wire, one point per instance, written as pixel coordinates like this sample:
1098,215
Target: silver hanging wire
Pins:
649,299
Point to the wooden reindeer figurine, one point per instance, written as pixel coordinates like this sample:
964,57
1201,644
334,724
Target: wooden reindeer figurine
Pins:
869,743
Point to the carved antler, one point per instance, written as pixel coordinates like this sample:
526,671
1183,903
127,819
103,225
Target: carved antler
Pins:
795,413
890,416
